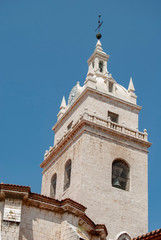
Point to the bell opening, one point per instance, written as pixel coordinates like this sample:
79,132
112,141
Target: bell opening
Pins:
116,183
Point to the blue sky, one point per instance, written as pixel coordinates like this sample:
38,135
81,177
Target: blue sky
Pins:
44,47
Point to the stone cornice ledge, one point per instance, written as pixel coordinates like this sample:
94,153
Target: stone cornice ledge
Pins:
7,190
107,125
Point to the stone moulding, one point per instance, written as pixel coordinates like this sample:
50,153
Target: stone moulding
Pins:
20,192
106,125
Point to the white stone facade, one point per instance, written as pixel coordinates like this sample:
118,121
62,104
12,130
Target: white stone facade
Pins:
85,134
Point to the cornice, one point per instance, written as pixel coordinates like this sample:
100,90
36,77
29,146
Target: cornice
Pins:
140,143
64,144
7,189
99,54
34,197
84,94
96,228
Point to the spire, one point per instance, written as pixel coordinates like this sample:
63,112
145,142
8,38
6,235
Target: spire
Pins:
99,46
63,107
63,103
131,86
131,91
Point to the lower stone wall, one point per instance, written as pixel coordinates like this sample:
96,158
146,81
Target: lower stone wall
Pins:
9,230
69,231
39,224
29,216
1,215
10,218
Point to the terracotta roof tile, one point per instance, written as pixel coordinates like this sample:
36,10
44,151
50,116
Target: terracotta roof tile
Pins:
156,234
15,187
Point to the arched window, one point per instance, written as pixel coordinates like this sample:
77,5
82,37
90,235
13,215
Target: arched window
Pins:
101,66
67,174
124,236
53,186
120,174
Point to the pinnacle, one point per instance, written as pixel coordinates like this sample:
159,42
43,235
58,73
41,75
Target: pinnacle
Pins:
63,103
131,86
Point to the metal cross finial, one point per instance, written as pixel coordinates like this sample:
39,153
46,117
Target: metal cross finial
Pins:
99,24
98,35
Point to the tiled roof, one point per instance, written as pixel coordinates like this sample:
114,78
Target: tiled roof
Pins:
14,187
39,197
154,235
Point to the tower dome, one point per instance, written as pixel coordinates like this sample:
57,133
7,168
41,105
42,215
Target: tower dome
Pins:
75,92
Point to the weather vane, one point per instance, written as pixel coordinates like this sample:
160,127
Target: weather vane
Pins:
98,35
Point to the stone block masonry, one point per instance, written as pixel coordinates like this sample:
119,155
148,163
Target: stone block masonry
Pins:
10,225
29,216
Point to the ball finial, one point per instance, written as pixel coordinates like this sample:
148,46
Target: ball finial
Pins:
98,36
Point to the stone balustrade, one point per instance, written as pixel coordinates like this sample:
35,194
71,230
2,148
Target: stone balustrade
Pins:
105,123
117,127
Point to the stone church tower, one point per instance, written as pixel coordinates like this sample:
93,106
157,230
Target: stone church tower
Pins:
99,157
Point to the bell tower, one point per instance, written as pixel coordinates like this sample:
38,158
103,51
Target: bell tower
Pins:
99,157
